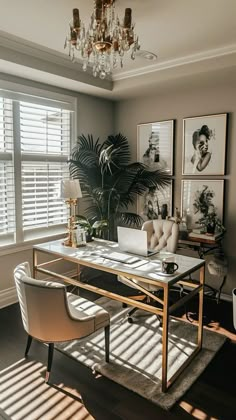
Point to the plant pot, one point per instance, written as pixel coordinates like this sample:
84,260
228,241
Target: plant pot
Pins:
164,211
211,228
89,237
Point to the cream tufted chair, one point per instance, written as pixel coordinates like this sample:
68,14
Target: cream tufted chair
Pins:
50,314
162,236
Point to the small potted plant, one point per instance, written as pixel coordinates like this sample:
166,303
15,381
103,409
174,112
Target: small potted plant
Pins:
84,223
211,222
100,228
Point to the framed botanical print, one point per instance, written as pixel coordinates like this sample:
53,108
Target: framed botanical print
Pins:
156,203
204,145
199,197
155,145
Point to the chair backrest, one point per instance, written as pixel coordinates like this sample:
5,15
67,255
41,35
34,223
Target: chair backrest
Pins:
44,307
162,234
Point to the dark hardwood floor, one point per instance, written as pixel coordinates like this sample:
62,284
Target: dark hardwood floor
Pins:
213,395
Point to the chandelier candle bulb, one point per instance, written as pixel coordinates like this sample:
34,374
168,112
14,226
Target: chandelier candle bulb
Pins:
128,18
76,20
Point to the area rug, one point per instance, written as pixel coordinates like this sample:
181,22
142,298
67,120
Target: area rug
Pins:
135,353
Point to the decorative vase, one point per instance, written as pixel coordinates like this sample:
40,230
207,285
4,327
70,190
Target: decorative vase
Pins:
164,211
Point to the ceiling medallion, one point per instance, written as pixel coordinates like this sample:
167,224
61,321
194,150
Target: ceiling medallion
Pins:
105,41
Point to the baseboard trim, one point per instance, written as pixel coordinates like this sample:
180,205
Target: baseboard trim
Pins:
8,297
228,298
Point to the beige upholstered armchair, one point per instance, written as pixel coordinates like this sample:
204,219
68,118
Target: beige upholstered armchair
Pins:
50,314
162,236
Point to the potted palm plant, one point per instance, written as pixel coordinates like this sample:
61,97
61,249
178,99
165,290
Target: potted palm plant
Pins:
110,182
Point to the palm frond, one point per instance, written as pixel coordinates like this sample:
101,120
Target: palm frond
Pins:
120,146
131,219
90,178
86,151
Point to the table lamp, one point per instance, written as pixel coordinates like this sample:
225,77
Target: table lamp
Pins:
70,191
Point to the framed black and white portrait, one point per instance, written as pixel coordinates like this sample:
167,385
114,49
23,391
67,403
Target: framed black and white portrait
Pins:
198,197
204,144
156,203
155,145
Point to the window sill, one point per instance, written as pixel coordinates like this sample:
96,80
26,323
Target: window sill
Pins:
27,245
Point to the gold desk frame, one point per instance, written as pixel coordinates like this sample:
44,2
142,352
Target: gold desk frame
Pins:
165,312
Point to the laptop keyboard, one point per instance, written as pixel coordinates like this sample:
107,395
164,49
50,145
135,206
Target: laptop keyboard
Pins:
119,257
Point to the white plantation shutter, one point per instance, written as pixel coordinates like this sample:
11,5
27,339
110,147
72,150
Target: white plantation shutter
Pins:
41,206
45,146
7,196
44,130
7,200
34,150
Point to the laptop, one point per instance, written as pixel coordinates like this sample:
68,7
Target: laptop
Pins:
134,241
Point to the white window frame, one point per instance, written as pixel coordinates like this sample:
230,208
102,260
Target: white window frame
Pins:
24,93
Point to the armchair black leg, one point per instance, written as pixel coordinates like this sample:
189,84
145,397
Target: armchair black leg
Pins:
50,357
29,341
107,343
132,311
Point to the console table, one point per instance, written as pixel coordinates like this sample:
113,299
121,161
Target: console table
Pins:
205,245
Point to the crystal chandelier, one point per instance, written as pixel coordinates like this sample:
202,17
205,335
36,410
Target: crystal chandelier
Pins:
106,39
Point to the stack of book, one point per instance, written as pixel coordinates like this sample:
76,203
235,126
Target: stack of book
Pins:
196,234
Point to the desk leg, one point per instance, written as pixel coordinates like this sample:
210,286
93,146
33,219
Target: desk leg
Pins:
35,262
165,338
200,309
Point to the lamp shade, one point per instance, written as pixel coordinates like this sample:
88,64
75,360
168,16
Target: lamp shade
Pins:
70,188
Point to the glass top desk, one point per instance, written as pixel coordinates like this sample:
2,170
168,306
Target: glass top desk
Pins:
146,270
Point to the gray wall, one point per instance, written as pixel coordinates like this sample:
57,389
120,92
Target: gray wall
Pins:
95,116
179,105
102,117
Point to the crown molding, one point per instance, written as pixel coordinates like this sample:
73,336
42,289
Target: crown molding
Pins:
20,51
181,61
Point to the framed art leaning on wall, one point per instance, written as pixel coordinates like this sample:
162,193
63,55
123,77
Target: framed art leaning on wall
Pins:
155,203
204,145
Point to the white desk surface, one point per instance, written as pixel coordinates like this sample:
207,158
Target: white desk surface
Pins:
148,268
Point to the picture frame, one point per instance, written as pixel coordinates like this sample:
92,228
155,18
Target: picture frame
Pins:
155,145
204,145
156,203
193,192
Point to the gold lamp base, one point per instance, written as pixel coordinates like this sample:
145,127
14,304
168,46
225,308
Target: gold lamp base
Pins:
71,239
